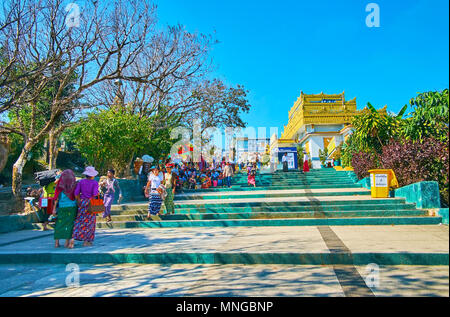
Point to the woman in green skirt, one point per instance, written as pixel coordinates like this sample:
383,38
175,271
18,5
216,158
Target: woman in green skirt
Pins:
170,181
65,207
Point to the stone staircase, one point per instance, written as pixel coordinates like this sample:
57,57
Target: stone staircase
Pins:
322,218
320,197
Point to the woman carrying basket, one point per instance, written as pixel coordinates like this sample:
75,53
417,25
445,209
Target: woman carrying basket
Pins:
84,227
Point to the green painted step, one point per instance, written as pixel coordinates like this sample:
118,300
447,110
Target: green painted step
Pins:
278,205
200,197
295,186
312,203
274,187
275,222
298,176
293,176
392,207
296,181
302,177
273,215
75,256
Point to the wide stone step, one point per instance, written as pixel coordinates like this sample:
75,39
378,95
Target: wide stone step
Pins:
223,258
143,209
300,176
314,202
246,187
293,176
311,204
197,197
274,215
363,221
294,182
299,179
356,245
313,191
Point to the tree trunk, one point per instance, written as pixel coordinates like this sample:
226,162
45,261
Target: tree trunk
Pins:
17,180
130,167
52,149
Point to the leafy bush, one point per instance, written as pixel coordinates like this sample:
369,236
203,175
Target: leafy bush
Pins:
323,155
300,156
417,161
362,162
348,148
416,148
430,116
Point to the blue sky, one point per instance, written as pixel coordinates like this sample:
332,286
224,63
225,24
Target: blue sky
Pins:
278,48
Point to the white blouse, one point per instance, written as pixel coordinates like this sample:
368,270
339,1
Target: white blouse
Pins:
155,181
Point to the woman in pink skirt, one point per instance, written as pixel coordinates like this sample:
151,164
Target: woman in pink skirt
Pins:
251,174
84,227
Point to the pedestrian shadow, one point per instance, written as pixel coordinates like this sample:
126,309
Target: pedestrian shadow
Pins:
197,280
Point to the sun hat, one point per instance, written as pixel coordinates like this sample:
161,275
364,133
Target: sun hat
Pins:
90,171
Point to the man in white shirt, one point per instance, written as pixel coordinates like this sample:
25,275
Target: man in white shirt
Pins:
284,160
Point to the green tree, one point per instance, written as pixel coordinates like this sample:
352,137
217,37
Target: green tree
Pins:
112,138
300,156
348,148
430,117
375,128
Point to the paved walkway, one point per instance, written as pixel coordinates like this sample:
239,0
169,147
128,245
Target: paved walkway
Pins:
215,280
356,239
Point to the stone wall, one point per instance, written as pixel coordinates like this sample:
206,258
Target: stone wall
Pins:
424,194
17,222
131,191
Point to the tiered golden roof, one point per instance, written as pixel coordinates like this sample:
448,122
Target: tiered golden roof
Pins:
319,109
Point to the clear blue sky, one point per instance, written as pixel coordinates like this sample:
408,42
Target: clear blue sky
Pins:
278,48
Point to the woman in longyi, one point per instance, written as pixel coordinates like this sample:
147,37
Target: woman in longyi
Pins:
64,207
84,228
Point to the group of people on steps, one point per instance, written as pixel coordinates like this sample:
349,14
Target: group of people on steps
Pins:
71,198
74,222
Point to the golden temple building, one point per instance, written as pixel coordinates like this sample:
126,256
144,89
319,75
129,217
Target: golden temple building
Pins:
316,122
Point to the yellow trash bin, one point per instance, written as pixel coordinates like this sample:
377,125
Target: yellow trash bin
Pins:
381,180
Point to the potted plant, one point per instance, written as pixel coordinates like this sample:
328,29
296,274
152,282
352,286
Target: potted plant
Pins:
300,157
337,156
323,156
